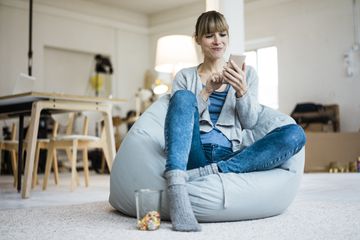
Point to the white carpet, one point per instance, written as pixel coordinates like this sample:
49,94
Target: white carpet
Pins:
327,207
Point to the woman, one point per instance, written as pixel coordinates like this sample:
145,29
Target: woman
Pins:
211,105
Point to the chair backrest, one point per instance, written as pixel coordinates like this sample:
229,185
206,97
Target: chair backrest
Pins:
70,124
55,129
85,129
91,123
76,124
63,123
12,135
13,132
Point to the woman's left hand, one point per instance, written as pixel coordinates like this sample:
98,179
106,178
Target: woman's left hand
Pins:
236,77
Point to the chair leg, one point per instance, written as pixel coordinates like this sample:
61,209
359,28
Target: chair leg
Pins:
106,156
14,165
77,174
49,159
68,154
36,165
73,164
56,167
69,157
86,166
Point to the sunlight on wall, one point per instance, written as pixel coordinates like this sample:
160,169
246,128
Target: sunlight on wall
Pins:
264,60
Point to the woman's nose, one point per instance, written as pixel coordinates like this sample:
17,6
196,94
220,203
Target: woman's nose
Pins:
216,39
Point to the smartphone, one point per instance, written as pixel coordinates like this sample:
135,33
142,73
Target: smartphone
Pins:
238,59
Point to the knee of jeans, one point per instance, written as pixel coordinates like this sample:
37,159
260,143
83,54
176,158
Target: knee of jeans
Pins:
296,135
184,97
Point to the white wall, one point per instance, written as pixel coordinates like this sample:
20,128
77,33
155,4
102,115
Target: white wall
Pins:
73,28
13,46
312,37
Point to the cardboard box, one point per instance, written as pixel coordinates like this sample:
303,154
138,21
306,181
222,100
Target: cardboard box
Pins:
324,148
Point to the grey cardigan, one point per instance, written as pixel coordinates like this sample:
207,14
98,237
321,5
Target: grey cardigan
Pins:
242,120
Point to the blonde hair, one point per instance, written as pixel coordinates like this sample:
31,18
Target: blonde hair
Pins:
210,22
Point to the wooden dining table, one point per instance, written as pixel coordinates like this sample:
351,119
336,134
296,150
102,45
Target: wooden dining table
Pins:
33,104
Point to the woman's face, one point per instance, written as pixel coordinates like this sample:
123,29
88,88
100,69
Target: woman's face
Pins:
213,45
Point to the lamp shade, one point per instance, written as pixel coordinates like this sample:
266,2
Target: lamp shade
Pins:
175,52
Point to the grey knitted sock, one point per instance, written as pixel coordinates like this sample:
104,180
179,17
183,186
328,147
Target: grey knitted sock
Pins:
202,171
181,213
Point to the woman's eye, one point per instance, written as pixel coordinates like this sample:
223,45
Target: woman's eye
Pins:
208,36
223,34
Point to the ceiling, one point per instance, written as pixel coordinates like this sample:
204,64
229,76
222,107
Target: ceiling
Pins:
148,6
145,6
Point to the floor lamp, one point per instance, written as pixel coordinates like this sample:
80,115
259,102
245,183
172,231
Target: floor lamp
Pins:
173,53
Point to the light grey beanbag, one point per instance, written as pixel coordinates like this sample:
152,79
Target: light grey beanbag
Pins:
140,163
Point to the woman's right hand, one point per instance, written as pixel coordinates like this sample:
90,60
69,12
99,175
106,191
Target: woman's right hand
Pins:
213,82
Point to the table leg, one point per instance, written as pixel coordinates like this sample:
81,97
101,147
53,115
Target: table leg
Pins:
30,151
109,135
20,150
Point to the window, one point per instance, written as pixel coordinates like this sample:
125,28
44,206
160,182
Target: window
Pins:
264,60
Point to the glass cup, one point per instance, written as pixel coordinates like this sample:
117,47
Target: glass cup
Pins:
148,206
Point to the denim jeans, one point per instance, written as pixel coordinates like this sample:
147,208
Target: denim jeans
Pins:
185,151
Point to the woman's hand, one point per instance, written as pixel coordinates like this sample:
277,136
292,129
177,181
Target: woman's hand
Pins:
214,82
236,77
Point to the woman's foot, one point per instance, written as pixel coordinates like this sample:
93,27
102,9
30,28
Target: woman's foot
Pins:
181,213
202,171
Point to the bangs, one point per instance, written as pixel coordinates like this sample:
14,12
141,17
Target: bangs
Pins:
215,25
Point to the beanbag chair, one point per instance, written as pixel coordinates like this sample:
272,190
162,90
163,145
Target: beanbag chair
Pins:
140,163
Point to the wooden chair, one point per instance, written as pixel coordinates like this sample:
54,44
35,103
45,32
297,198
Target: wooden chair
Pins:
12,146
43,144
71,144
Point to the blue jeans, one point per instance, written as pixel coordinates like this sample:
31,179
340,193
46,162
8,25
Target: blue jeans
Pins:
185,151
